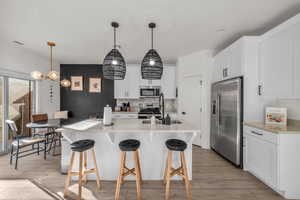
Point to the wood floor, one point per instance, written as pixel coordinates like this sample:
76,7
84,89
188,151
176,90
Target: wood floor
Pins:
213,179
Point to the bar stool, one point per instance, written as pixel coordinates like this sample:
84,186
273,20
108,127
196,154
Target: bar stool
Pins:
179,146
81,146
125,146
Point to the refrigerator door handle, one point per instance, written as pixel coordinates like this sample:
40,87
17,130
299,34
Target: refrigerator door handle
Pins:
219,109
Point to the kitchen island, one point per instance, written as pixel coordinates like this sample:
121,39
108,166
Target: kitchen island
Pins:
153,152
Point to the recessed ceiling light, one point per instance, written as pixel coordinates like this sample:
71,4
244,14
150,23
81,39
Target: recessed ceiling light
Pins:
18,42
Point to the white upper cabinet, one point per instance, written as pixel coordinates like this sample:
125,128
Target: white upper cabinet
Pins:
217,68
168,82
296,57
276,65
149,83
228,63
129,87
134,73
236,59
279,61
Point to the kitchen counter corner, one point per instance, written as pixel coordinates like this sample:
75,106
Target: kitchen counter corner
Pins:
293,127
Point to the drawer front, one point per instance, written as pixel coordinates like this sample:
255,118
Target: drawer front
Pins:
125,116
264,135
132,116
116,116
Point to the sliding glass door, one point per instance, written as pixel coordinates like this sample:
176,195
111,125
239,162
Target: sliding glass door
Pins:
20,103
17,104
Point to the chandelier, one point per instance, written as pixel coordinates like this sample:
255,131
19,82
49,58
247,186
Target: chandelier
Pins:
52,74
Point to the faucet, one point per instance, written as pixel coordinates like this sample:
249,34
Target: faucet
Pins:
162,107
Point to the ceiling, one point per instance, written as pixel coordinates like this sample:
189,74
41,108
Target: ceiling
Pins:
83,33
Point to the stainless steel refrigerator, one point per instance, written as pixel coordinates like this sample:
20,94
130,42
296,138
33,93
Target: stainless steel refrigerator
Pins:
226,119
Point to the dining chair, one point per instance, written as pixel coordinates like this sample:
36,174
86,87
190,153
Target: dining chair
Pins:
20,141
39,118
62,115
45,132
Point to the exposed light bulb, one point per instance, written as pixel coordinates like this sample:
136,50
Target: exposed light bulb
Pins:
114,62
53,75
37,75
65,83
152,62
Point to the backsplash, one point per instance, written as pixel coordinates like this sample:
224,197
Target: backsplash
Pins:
292,105
136,104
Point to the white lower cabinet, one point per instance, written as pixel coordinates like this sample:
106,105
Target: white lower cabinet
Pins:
271,157
262,159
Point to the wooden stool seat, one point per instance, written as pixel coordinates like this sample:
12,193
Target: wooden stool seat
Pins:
180,146
125,146
82,146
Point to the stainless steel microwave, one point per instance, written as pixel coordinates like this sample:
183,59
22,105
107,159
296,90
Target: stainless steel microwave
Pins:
149,92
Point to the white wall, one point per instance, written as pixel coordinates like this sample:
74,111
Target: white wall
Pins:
17,58
198,64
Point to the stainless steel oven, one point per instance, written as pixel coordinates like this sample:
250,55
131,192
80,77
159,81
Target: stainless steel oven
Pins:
149,92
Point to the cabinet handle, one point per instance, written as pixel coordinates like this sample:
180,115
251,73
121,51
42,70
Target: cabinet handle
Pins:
259,90
256,133
225,72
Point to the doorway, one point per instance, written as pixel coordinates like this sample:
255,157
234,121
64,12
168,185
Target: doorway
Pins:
190,105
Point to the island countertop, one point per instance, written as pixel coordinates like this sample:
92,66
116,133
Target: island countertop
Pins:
107,139
137,125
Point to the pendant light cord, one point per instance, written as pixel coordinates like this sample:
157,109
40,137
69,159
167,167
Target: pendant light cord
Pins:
152,38
115,38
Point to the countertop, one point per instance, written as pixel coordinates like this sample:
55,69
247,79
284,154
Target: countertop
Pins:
293,127
136,125
123,112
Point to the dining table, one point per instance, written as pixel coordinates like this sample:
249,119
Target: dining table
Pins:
51,125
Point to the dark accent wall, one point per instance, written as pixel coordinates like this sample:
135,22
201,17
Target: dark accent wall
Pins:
82,104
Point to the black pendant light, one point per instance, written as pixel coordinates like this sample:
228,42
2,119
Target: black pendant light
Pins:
152,65
114,66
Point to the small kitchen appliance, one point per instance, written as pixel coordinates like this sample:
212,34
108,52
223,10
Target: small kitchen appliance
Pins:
149,92
107,116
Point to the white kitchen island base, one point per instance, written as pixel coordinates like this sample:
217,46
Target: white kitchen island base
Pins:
153,152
